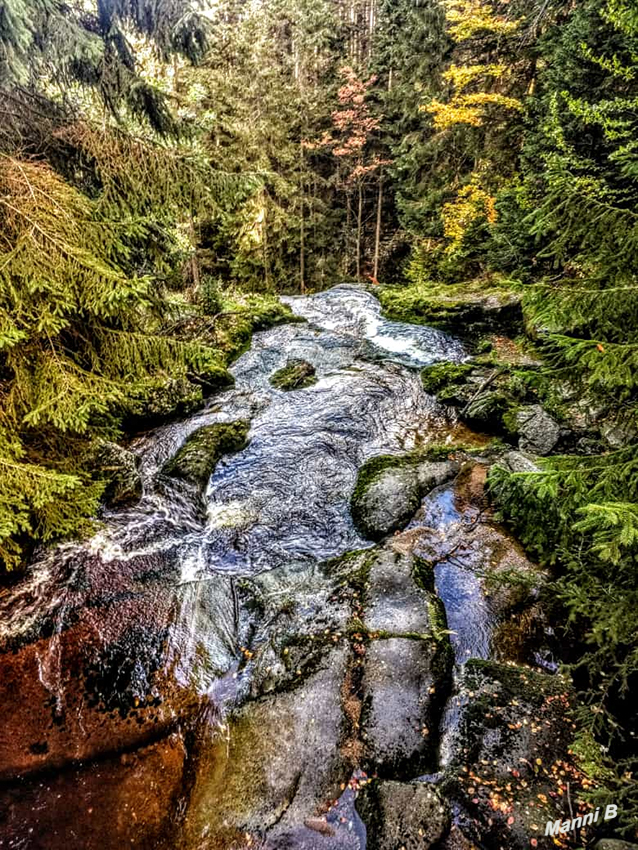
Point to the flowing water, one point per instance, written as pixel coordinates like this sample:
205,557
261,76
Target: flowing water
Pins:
157,592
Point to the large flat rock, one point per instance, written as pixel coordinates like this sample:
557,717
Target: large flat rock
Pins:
122,656
400,706
278,765
407,666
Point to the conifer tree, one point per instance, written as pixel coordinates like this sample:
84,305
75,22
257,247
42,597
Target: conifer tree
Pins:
89,223
581,513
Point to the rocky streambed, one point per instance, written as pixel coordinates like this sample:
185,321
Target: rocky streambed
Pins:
308,632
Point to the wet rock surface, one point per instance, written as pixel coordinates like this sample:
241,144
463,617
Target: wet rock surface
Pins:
399,715
279,762
93,671
407,666
389,491
403,814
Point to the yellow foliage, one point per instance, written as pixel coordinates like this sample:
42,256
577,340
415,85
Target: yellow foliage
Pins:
462,75
471,204
468,108
468,18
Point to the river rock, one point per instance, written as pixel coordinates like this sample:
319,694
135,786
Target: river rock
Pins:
395,602
291,614
279,763
295,375
407,665
408,815
389,490
198,457
401,705
466,310
538,432
512,739
519,462
119,468
618,434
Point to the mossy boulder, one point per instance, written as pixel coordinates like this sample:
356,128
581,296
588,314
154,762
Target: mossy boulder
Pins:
468,310
389,490
155,401
119,469
229,330
295,375
200,454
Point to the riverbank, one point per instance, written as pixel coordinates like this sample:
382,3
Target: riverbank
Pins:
557,441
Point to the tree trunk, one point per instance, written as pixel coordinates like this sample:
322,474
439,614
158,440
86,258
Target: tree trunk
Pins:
195,275
359,229
346,264
302,254
377,233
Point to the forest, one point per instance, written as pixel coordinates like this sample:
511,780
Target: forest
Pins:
169,169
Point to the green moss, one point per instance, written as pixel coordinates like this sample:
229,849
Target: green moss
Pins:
352,569
441,375
373,468
295,375
510,424
466,309
198,457
589,757
154,401
487,411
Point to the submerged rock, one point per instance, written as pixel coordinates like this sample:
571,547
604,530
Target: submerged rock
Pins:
538,432
295,375
408,815
125,655
200,454
121,801
389,490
